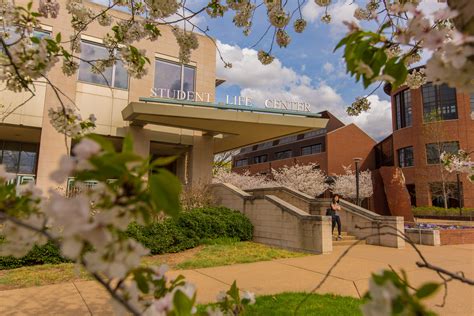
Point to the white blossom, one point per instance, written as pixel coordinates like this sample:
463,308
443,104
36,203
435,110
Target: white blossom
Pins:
415,79
345,184
308,178
86,148
4,175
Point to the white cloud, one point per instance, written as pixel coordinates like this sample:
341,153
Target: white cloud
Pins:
328,67
377,122
340,11
261,82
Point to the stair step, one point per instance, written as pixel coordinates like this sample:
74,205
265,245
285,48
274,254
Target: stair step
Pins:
346,237
343,242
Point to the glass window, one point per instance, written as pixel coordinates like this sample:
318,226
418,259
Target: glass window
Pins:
283,154
241,162
314,133
403,109
439,102
405,157
28,157
260,159
434,151
313,149
168,77
449,190
19,157
115,76
264,145
288,139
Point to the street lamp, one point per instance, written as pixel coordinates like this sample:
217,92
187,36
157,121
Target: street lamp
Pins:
357,161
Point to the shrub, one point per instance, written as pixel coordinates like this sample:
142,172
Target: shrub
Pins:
192,228
48,253
188,230
440,211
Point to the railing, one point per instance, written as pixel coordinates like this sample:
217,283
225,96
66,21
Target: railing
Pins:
23,179
73,188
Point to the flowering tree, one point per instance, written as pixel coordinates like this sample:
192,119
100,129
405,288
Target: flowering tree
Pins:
345,184
95,239
244,181
305,178
459,162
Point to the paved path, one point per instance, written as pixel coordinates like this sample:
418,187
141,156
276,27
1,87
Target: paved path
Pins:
297,274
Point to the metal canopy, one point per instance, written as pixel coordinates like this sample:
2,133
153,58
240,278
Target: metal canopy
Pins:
231,128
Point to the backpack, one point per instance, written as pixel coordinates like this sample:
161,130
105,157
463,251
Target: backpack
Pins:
330,212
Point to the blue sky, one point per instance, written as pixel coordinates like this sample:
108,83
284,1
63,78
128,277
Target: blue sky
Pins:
307,70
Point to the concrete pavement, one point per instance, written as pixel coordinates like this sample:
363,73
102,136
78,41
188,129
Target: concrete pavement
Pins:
350,278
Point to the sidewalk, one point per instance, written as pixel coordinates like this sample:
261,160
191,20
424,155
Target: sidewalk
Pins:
297,274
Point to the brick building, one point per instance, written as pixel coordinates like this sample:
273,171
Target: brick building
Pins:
426,122
331,148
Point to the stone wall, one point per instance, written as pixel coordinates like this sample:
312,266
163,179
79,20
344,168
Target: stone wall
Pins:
427,237
277,222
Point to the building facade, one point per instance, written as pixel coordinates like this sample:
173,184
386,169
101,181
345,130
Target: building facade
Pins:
331,149
426,122
193,127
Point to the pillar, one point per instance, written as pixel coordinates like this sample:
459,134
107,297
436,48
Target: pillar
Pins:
201,160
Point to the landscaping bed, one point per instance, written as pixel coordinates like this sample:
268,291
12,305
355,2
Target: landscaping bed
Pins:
442,213
439,234
217,252
188,230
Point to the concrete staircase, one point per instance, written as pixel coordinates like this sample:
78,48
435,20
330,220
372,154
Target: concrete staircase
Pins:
347,239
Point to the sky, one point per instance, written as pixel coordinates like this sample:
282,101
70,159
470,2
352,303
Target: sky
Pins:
307,70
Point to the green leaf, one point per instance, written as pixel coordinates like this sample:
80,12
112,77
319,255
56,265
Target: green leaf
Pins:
35,40
164,190
183,305
141,281
127,145
163,161
58,37
106,145
234,292
427,289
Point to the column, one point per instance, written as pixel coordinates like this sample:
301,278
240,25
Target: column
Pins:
201,160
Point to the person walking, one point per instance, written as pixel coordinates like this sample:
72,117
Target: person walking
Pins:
333,211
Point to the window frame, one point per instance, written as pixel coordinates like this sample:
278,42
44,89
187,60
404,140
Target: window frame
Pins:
403,151
438,161
112,83
403,109
437,106
256,159
311,147
18,160
282,152
236,164
162,59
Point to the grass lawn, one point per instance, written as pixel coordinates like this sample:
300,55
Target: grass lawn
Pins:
212,254
285,304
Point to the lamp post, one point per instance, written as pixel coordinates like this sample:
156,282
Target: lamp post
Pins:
357,161
459,193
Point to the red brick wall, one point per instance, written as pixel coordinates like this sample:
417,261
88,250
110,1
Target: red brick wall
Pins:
346,143
457,236
418,135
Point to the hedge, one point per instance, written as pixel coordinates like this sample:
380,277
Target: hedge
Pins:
440,211
188,230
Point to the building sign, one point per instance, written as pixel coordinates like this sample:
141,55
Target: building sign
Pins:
230,100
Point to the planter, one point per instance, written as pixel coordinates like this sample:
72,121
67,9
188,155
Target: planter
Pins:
436,235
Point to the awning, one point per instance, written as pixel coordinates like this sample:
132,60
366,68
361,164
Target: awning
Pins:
231,127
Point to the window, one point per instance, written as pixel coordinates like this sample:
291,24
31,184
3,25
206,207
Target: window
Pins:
314,133
403,109
116,76
13,36
288,139
260,159
384,155
405,157
19,157
313,149
434,151
241,162
264,145
439,102
168,76
449,190
283,154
